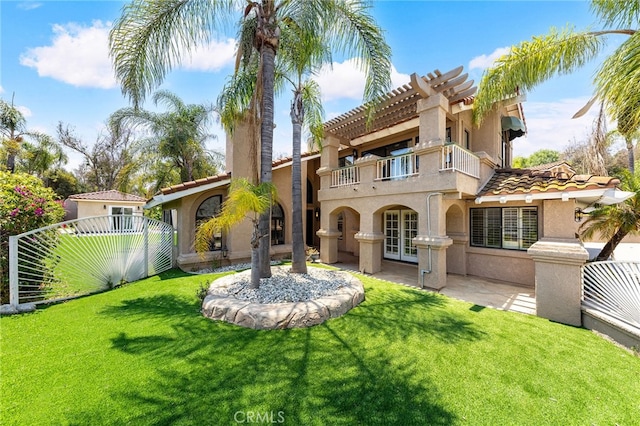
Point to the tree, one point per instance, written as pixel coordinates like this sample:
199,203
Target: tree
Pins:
13,129
26,204
106,162
616,221
178,135
43,155
562,52
151,36
245,200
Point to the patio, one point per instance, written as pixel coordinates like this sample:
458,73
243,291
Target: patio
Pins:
479,291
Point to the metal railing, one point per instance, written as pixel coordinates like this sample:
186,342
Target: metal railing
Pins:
83,256
397,167
345,176
613,288
456,158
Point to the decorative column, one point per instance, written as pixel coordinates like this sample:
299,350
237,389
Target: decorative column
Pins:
432,243
558,258
370,251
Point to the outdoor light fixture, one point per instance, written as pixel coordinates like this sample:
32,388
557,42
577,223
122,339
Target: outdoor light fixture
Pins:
104,206
578,214
317,212
224,251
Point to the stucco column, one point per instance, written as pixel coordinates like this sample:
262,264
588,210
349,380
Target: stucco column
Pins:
433,118
558,265
370,251
328,160
432,243
328,234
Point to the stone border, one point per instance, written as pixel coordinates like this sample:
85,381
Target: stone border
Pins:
271,316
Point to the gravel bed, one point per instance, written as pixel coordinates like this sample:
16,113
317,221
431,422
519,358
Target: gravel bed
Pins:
284,287
229,268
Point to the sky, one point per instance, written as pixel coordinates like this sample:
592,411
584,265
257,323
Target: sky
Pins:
54,64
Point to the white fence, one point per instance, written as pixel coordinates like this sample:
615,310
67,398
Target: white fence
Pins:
613,289
345,176
456,158
84,256
397,167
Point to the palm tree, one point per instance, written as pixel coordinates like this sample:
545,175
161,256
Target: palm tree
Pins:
617,221
562,52
180,134
245,200
13,129
41,156
151,36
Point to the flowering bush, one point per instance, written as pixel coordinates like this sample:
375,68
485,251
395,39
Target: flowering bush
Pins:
25,204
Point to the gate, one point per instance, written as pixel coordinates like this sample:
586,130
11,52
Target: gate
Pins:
613,288
84,256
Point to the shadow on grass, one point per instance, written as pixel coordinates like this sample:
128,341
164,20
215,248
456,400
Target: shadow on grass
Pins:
358,369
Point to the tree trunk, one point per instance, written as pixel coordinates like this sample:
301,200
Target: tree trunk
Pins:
611,245
268,54
255,256
11,162
298,257
629,142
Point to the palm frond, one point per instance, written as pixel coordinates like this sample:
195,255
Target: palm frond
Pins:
617,13
533,62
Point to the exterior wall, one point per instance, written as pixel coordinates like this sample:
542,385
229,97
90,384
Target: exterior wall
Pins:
504,265
90,208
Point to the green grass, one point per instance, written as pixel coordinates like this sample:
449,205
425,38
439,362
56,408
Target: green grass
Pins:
143,354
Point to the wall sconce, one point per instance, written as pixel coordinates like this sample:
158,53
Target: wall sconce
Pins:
578,214
104,206
317,213
225,251
355,154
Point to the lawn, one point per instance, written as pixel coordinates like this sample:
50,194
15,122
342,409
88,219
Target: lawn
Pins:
143,354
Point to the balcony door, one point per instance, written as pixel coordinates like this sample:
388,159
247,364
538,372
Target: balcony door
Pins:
400,227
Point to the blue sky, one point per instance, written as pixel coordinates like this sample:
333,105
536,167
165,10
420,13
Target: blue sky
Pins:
54,61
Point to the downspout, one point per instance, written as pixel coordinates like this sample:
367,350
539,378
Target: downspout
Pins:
430,266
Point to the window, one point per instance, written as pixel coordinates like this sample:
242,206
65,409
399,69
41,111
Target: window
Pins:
309,192
467,139
122,218
277,225
447,137
208,209
513,228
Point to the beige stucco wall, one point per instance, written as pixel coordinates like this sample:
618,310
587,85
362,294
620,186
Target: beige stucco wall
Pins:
90,208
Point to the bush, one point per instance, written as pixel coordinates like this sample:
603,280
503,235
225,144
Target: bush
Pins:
25,204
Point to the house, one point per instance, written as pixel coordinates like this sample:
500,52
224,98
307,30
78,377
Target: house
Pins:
419,184
100,203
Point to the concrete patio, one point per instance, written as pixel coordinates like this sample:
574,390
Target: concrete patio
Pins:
479,291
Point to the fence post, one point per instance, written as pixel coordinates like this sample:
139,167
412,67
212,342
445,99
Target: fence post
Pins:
145,228
13,271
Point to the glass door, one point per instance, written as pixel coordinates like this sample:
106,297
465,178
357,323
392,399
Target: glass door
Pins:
392,234
409,252
400,228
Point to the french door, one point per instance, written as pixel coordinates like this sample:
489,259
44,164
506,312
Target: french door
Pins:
400,227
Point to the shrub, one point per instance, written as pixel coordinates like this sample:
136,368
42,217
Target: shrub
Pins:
25,204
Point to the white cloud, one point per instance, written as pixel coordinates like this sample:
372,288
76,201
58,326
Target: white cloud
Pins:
29,5
485,61
1,90
26,112
550,125
214,56
346,80
78,55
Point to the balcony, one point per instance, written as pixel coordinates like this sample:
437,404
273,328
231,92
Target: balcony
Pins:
458,159
345,176
397,167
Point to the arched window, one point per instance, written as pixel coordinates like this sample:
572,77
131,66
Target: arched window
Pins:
277,225
208,209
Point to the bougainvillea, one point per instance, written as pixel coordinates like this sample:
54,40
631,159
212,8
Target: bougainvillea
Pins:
25,204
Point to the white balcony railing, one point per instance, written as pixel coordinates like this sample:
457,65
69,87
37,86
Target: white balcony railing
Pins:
456,158
397,167
345,176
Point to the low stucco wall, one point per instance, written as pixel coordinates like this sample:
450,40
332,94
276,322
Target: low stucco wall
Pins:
505,265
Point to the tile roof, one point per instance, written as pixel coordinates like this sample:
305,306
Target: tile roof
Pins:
195,183
111,195
532,181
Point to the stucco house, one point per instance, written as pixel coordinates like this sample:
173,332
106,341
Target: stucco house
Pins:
112,202
420,184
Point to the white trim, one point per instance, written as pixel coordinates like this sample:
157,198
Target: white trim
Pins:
606,196
290,162
161,198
